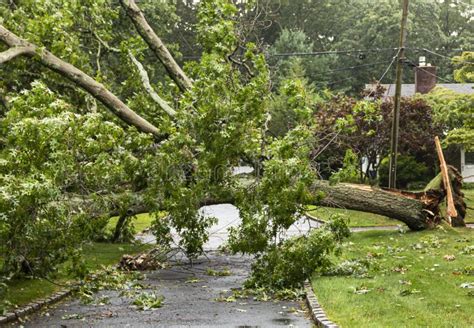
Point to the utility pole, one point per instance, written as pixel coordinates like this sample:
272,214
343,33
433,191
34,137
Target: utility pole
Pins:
398,90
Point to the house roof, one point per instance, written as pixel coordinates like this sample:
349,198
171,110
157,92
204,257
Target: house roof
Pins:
409,89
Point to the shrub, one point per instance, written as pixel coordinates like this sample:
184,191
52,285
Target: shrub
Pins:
408,171
468,185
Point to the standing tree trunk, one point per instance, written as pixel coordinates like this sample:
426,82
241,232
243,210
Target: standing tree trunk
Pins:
119,227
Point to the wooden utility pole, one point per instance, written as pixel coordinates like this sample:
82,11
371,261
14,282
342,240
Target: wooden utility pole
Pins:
398,90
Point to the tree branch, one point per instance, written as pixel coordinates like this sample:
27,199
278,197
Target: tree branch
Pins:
146,84
156,45
143,75
96,89
126,203
105,44
13,53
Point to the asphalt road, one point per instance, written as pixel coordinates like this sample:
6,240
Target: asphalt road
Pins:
193,298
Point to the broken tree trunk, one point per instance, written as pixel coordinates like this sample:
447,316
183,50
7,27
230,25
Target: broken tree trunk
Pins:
457,195
418,210
451,210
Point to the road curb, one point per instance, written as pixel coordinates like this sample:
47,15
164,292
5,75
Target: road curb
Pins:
317,313
32,307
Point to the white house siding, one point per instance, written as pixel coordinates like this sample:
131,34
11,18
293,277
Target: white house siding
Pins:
467,165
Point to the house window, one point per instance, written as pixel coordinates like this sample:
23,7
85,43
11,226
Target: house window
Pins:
469,158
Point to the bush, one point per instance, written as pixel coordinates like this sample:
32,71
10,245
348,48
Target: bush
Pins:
468,185
408,171
290,263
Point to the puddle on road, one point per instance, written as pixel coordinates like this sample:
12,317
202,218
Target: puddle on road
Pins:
279,321
283,321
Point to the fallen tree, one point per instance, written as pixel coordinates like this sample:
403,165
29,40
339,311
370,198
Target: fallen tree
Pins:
220,118
418,210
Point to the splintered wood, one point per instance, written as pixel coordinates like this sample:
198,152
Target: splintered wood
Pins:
451,209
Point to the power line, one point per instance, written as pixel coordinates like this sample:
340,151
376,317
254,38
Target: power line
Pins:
428,72
385,72
345,69
391,63
356,66
335,52
316,53
444,56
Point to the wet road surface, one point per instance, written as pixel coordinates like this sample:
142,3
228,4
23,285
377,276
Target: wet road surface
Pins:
193,298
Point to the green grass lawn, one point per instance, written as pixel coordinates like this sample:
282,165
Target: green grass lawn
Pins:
140,222
469,198
23,291
410,283
356,218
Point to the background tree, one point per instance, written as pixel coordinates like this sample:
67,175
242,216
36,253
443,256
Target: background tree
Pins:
364,127
442,27
465,64
455,112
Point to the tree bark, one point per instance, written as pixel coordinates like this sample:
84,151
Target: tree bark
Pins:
96,89
417,210
156,45
13,52
119,227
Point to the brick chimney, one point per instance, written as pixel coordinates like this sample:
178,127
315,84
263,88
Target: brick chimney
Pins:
425,77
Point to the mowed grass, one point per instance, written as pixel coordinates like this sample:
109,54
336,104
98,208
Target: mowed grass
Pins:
140,222
411,284
96,255
356,218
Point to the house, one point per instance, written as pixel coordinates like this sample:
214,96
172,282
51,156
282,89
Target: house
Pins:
425,81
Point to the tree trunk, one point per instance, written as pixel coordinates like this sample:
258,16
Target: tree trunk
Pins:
119,227
417,210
